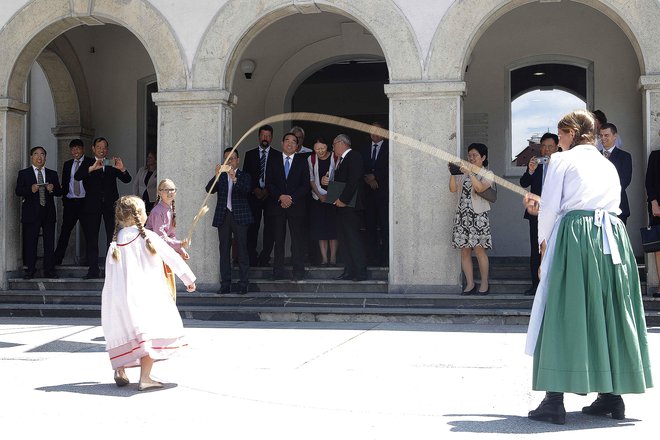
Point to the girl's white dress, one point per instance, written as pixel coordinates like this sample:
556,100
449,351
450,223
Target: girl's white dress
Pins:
138,315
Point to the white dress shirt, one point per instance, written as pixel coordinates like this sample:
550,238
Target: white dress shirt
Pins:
71,194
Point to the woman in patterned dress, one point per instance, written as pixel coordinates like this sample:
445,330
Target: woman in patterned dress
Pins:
471,226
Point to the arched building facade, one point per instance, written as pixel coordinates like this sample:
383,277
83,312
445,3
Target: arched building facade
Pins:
448,65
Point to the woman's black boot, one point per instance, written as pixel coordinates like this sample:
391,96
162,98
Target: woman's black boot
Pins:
551,409
607,403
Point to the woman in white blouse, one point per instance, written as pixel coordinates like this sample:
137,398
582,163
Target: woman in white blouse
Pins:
587,331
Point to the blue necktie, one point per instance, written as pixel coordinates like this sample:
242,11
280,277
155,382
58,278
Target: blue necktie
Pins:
287,167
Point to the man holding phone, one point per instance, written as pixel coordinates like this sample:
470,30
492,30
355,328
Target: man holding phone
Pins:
534,177
99,176
37,185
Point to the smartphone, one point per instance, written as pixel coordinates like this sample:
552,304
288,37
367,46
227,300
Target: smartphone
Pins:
455,169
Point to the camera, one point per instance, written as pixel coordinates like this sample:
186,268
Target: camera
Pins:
108,162
454,169
541,160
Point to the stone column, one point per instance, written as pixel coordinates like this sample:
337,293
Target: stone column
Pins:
421,206
194,128
65,134
650,87
12,143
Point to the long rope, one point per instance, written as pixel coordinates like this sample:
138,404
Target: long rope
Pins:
366,128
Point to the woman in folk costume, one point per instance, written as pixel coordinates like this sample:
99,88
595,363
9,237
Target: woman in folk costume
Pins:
140,321
587,331
162,220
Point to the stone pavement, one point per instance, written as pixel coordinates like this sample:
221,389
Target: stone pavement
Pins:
251,380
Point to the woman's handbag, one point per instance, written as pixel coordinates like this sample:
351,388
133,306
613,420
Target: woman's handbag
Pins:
650,238
490,193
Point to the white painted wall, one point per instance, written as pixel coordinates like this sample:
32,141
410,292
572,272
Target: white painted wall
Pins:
42,116
532,30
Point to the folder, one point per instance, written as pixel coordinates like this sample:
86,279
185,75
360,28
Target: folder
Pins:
334,191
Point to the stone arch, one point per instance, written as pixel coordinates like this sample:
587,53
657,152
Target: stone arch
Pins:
237,23
312,58
466,20
38,23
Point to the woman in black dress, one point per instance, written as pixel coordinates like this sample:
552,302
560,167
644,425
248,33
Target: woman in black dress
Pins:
322,215
653,198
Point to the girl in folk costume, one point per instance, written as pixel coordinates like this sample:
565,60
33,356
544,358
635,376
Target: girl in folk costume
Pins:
587,331
140,321
162,220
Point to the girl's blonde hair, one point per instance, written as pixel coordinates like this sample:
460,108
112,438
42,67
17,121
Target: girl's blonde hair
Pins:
582,122
160,185
127,213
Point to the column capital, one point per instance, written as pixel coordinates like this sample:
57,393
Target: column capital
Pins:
195,98
425,90
13,105
72,132
649,82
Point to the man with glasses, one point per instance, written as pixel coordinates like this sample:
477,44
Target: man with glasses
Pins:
232,218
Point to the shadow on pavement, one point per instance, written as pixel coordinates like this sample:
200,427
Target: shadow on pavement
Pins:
102,389
514,424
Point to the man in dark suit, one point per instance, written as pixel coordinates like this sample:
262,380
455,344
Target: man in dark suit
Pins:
99,176
232,216
287,181
349,170
621,160
376,214
73,197
533,177
37,186
256,164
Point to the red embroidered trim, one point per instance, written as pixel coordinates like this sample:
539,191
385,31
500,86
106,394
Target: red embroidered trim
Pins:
124,244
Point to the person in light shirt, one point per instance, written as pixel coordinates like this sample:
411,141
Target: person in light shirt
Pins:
587,331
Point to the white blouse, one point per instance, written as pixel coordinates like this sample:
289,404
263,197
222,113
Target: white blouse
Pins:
580,178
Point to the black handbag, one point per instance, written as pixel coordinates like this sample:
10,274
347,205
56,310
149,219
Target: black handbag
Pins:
650,238
490,193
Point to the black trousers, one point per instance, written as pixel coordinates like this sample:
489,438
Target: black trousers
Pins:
31,239
350,242
534,254
91,222
258,208
297,230
228,228
72,213
376,218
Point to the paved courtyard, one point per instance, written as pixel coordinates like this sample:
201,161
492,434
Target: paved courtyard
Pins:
251,380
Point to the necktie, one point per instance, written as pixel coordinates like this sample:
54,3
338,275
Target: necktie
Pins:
287,167
262,165
76,183
42,188
338,163
606,154
229,188
374,152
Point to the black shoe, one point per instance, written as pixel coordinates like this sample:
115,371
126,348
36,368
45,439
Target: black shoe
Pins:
550,410
362,277
29,274
51,274
530,292
243,288
224,290
57,261
485,292
656,295
471,291
607,403
299,276
344,276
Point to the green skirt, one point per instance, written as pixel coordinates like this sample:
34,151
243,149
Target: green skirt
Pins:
593,335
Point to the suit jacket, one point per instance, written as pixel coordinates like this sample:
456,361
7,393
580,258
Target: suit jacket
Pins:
239,203
351,172
251,165
100,185
380,169
66,174
622,161
296,185
652,181
535,181
30,205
